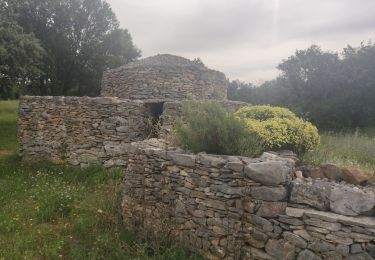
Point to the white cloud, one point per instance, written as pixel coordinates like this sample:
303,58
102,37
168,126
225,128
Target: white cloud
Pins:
245,39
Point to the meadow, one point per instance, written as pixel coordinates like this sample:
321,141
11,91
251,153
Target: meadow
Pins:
50,211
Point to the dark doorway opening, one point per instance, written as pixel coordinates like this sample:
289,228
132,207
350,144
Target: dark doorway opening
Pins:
154,112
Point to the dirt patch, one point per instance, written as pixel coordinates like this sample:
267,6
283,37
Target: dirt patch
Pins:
5,152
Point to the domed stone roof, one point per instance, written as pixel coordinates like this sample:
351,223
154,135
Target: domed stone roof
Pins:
164,60
164,76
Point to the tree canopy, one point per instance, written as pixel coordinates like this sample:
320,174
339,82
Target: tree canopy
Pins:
332,90
21,55
76,40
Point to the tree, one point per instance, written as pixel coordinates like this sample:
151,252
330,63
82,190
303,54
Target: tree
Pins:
241,91
312,78
21,55
311,74
358,87
82,39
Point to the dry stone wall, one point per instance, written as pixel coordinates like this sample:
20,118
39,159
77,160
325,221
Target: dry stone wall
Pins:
80,129
166,77
230,207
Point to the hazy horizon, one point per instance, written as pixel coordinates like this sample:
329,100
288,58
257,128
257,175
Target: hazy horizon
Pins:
245,39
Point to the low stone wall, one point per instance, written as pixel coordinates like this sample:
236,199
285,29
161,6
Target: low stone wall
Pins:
229,207
80,129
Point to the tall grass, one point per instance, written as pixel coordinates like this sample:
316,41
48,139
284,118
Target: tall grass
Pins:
345,149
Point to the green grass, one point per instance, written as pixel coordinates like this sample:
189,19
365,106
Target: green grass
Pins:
345,149
50,211
8,126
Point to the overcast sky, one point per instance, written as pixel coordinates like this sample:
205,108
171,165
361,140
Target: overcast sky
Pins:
245,39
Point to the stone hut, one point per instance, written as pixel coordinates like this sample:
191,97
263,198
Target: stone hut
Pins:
135,100
165,77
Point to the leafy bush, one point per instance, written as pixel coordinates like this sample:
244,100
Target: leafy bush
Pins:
209,127
280,128
262,113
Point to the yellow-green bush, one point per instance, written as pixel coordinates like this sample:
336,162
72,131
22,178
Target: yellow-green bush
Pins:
280,128
262,113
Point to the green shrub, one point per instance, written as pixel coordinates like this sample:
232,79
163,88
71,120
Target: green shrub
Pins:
209,127
262,113
280,128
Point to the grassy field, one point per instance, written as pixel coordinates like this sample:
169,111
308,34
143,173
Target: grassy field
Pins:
59,212
345,149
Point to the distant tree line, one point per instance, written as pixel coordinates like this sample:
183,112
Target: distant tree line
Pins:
333,90
59,47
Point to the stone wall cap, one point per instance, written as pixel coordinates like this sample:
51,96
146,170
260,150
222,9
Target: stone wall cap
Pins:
269,173
100,100
183,159
211,160
362,221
